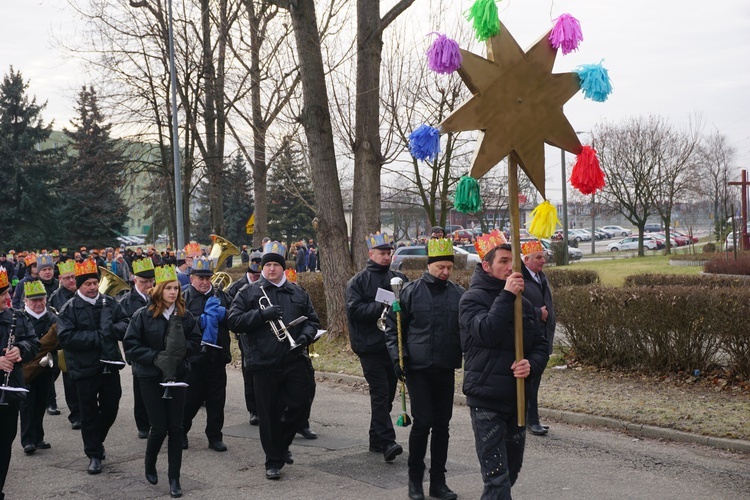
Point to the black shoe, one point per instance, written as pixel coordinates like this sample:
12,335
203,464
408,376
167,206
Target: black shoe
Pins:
273,473
184,442
254,420
151,475
307,433
29,449
415,490
218,446
95,466
537,430
376,449
43,445
175,490
288,459
76,425
391,451
442,492
53,410
142,434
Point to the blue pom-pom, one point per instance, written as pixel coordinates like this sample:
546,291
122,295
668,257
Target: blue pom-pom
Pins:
424,143
594,81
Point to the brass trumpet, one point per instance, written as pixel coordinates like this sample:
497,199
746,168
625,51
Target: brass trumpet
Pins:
279,328
381,319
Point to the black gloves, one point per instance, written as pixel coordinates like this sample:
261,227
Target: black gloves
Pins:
271,313
400,373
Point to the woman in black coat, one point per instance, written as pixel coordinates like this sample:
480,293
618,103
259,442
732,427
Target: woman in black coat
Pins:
145,343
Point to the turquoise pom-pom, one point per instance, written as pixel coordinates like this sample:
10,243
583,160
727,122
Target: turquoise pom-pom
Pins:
595,82
467,199
424,143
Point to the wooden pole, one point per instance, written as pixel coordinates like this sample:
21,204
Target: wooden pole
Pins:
515,227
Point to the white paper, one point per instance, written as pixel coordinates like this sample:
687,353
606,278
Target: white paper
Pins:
320,334
384,296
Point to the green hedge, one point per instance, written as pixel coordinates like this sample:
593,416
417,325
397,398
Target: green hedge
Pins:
571,277
686,280
658,329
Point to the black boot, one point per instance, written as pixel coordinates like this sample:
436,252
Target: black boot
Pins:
151,475
175,490
416,492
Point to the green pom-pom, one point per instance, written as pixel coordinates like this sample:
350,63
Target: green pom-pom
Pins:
483,14
467,199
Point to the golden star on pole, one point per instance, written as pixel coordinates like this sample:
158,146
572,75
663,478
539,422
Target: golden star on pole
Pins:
517,105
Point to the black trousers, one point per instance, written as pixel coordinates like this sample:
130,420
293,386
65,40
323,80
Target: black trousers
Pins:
33,408
532,401
305,424
52,393
283,391
207,383
381,377
247,381
431,394
8,430
166,419
71,398
99,400
139,408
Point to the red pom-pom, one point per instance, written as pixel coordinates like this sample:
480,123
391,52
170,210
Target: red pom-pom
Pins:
587,175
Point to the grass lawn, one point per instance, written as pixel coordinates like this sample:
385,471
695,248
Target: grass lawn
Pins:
613,272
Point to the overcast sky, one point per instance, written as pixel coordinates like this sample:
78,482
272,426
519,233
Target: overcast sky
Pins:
665,57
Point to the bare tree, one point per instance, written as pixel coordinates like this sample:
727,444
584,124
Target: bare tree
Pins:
716,159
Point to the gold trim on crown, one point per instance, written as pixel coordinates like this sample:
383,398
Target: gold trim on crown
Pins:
88,266
439,247
165,273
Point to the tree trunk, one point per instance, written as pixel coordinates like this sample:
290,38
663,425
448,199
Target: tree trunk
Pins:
336,262
260,168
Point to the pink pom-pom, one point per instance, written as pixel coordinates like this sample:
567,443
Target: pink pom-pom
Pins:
443,56
566,34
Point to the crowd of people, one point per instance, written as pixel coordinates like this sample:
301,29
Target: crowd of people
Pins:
173,327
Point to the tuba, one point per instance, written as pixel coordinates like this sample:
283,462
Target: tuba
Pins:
111,284
221,250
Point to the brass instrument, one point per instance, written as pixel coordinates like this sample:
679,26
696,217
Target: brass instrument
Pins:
279,328
381,319
44,357
111,284
221,250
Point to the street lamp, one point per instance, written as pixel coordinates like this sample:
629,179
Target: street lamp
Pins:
564,208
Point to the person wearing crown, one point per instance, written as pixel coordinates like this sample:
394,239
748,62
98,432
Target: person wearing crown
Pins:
486,319
89,328
35,403
537,291
368,341
431,352
22,350
137,297
158,358
31,273
208,377
280,374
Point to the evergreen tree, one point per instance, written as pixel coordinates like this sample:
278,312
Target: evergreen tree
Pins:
28,174
290,199
95,213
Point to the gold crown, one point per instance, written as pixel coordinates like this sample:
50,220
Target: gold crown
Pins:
165,273
193,249
88,266
204,264
33,289
143,265
30,259
66,267
44,260
439,247
531,247
3,278
291,275
378,240
487,242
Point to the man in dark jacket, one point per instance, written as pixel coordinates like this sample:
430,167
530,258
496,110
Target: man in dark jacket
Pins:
89,328
280,374
431,348
537,291
31,273
301,257
22,350
143,280
486,316
207,378
368,341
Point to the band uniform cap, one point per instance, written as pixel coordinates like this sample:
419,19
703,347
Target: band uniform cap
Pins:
379,241
66,267
43,261
165,273
193,249
529,247
4,283
203,266
143,268
487,242
34,289
439,249
30,259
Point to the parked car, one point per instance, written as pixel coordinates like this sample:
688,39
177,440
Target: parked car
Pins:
602,235
617,230
631,243
730,242
573,253
403,253
610,234
663,237
468,247
579,235
652,227
694,239
471,257
452,227
461,234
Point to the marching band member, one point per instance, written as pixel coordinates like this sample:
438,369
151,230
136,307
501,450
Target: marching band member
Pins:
280,376
368,341
89,328
21,350
146,345
432,352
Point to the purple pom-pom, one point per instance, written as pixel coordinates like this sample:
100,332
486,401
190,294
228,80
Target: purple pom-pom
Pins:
424,143
443,56
566,34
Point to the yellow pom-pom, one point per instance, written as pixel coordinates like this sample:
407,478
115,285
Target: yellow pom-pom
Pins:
544,220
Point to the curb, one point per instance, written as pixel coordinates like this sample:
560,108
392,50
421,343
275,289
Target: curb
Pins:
573,418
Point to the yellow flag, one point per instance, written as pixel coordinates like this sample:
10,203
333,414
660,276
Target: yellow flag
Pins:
250,224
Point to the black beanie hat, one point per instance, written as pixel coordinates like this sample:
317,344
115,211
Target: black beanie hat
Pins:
272,257
80,280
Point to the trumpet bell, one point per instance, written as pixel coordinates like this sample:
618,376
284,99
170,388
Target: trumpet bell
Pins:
47,361
111,284
381,324
221,280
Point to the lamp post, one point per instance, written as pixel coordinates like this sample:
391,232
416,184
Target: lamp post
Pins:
564,208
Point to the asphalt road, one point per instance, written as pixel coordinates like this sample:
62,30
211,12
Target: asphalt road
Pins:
570,463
